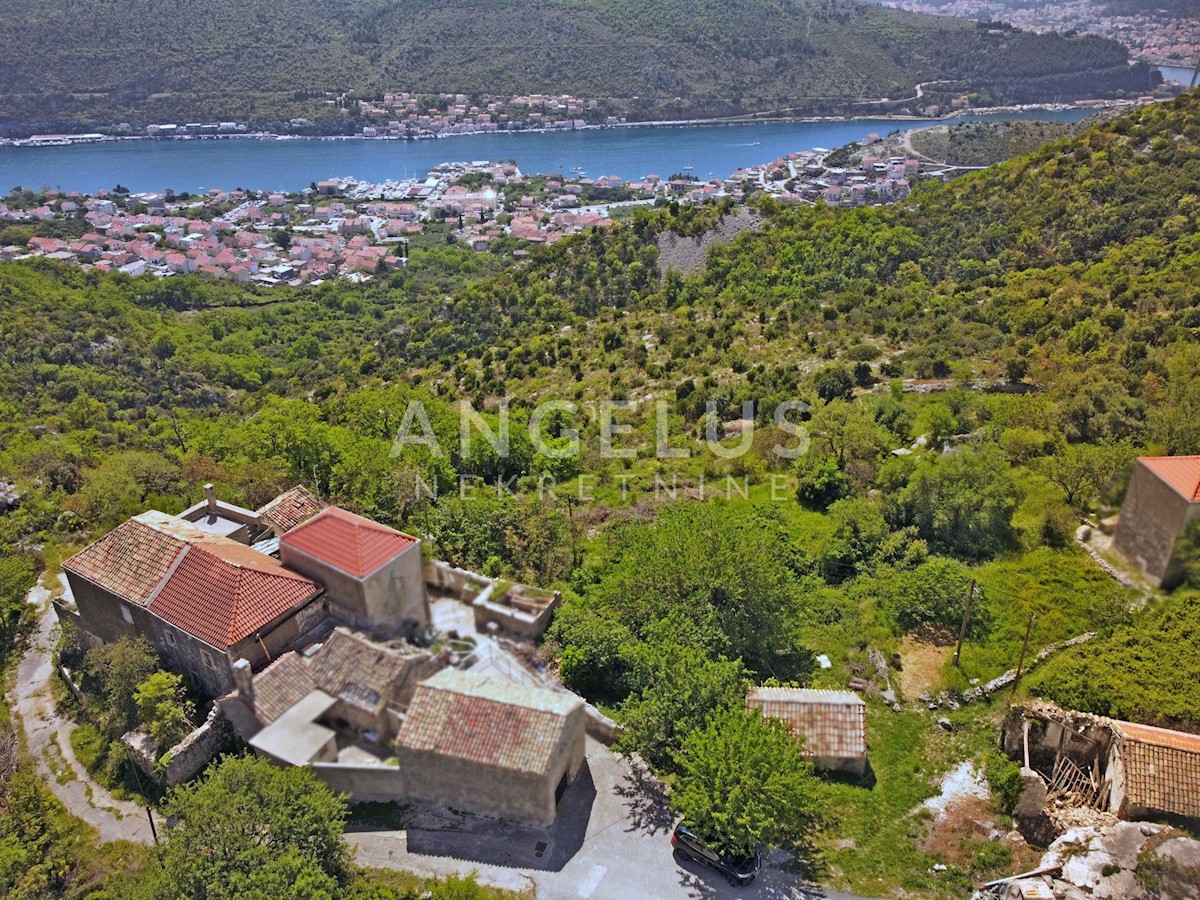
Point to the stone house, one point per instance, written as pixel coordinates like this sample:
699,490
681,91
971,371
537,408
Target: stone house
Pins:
373,574
832,724
495,748
201,599
1163,498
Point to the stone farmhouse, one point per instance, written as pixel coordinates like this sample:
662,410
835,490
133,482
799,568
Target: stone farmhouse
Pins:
1163,499
326,656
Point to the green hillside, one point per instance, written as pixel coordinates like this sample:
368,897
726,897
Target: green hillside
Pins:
100,61
1056,298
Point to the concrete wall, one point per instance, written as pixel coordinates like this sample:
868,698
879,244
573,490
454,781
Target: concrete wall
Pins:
379,602
364,783
1152,517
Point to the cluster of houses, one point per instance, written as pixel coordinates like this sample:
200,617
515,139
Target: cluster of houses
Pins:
406,115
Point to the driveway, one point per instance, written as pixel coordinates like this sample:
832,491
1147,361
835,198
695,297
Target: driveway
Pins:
48,738
611,841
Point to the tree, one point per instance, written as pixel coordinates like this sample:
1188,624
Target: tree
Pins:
934,593
680,688
117,670
833,383
1082,470
961,503
251,829
163,709
745,783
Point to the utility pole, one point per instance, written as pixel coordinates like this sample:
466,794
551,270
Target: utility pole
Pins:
153,830
962,631
1021,663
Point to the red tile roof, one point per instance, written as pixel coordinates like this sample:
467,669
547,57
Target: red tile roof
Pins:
290,508
207,585
347,542
225,597
130,561
1162,769
1181,473
832,723
494,723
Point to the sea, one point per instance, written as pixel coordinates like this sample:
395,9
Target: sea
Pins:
705,150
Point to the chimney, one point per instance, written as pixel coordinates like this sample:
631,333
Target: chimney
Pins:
243,679
210,494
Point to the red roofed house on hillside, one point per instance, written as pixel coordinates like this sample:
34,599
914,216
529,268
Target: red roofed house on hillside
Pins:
373,574
201,599
1163,499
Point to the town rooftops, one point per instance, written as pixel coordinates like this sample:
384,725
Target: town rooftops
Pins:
1181,473
346,542
493,723
832,723
207,585
1162,768
289,509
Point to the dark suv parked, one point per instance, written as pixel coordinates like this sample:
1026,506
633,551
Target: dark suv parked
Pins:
738,872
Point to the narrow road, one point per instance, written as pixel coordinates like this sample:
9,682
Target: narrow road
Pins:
48,738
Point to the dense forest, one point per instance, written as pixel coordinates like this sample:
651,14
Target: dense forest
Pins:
1019,334
81,62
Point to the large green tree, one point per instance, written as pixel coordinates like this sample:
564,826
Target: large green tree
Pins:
745,783
251,829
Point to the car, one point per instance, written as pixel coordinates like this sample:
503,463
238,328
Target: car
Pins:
738,871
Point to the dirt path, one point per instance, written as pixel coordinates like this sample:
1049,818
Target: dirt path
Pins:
48,739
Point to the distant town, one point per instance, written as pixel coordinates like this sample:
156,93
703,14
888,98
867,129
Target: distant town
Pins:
1160,36
343,228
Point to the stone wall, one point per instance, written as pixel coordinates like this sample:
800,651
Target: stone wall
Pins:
190,756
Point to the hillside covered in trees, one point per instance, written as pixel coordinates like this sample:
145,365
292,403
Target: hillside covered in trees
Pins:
1037,320
75,62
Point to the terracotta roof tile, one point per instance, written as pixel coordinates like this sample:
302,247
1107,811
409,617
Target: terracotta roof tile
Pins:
1162,769
207,585
347,542
290,508
130,561
224,597
362,672
490,722
1181,473
832,723
280,686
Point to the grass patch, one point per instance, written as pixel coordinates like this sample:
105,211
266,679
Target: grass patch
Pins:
874,836
1064,590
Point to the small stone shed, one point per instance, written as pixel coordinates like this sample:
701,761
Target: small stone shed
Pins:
833,724
495,748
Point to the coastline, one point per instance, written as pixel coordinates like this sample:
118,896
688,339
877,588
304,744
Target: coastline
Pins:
752,119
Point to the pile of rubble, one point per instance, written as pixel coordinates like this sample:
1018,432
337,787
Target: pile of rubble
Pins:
1125,861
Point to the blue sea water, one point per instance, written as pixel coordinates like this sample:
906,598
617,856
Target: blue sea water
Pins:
703,150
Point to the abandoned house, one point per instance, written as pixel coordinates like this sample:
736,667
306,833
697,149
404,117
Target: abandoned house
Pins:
373,574
1163,499
202,600
833,724
370,685
1076,765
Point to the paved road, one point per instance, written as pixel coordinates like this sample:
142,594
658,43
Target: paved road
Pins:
48,739
611,842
